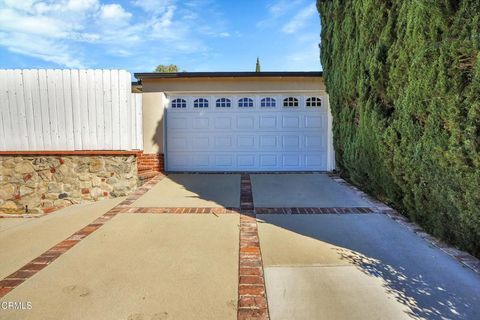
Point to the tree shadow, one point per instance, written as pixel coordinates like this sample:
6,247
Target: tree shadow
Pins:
157,138
410,290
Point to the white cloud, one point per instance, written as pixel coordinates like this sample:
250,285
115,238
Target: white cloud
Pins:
60,31
114,14
40,48
153,6
165,20
282,7
25,5
82,5
11,20
300,20
277,10
54,31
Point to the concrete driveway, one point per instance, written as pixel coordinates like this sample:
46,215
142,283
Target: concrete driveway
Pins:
143,258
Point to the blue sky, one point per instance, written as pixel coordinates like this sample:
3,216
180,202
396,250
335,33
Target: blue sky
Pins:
197,35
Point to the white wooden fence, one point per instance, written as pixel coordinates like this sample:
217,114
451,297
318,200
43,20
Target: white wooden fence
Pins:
44,110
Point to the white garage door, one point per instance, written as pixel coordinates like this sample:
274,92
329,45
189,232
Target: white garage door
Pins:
247,133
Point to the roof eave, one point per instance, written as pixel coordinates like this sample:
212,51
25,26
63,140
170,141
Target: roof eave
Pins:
168,75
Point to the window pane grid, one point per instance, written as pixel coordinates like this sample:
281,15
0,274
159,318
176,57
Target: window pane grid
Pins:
179,103
314,102
245,103
267,103
200,103
223,103
290,102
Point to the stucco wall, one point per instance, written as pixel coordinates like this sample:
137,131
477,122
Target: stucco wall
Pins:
153,107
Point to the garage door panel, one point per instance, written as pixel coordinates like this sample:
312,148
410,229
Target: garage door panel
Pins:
314,160
178,123
268,161
180,159
291,142
291,122
291,160
223,160
201,143
268,141
201,123
246,160
223,142
223,123
268,122
201,160
314,122
315,142
178,144
246,142
245,122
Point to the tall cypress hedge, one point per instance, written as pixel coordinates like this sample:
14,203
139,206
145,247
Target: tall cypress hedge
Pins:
404,83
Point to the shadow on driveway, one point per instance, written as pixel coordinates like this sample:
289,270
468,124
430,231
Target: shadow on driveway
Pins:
430,283
194,190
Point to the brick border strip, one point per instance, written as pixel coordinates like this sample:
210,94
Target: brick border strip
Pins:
246,196
252,295
33,267
229,210
314,210
180,210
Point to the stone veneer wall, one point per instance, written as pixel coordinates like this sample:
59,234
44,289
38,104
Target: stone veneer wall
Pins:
47,182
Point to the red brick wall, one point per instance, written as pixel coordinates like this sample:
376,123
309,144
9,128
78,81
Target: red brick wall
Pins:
149,165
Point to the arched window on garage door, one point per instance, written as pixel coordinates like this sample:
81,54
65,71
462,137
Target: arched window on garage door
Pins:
245,103
179,103
290,102
313,102
268,102
200,103
223,103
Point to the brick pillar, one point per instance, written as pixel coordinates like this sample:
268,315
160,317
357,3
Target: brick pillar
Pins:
149,165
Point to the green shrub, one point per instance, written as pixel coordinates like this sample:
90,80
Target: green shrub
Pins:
404,85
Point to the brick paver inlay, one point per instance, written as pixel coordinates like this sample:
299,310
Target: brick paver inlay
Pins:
252,297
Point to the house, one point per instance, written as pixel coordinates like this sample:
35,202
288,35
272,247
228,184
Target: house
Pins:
69,136
237,121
